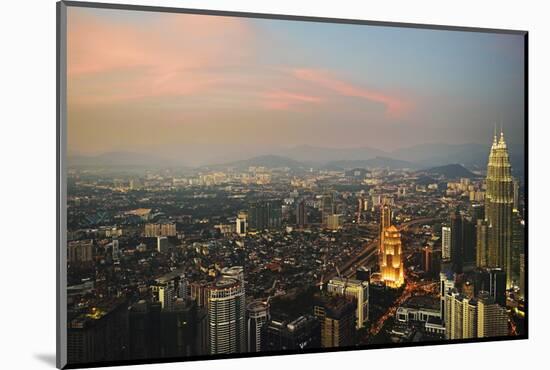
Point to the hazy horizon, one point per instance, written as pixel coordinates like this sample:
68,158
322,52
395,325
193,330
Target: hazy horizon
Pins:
212,88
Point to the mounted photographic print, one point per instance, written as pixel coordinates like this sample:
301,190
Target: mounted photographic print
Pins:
236,184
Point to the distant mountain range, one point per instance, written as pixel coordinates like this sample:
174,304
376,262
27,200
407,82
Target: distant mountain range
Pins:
451,171
268,161
376,162
119,159
472,157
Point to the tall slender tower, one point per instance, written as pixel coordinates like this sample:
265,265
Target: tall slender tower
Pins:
385,221
499,201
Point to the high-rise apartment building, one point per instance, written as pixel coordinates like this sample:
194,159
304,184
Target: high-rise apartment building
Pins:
356,289
445,243
226,317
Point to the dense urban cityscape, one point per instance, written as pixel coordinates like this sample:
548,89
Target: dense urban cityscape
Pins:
268,255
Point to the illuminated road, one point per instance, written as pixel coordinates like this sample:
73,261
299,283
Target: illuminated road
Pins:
416,288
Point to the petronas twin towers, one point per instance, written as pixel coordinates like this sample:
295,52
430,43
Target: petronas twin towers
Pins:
499,200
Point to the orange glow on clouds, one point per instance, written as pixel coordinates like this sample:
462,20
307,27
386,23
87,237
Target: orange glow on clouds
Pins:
176,55
394,106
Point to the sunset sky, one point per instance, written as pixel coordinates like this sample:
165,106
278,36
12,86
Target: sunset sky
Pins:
181,85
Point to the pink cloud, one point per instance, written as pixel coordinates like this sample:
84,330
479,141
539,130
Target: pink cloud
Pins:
172,55
394,106
284,100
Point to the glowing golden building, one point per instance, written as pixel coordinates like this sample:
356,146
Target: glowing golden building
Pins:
499,201
391,266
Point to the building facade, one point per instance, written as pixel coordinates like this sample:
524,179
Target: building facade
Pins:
499,201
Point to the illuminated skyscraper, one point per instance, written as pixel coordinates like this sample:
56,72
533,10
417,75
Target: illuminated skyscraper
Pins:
385,221
226,317
499,201
481,243
391,267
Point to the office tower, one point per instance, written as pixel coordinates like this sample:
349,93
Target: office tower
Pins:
481,244
515,204
301,214
163,245
183,330
80,251
257,317
144,330
492,318
337,317
385,221
258,215
456,241
356,289
241,223
518,243
264,215
498,208
492,281
167,294
333,222
391,267
226,317
327,207
100,334
427,257
460,316
446,284
468,244
160,229
275,215
522,275
282,333
446,243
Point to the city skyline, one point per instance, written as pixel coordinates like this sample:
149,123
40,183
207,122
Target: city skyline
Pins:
237,186
271,84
